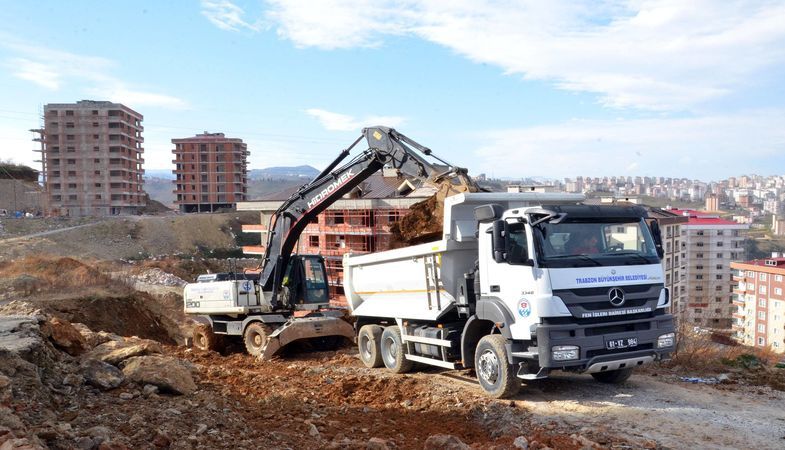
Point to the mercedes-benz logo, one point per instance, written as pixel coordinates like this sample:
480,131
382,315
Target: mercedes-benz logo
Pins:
616,296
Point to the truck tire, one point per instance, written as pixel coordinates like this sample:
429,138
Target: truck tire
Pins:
495,374
393,351
613,376
205,339
369,341
255,337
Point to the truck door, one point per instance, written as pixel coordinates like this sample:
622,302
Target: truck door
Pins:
512,278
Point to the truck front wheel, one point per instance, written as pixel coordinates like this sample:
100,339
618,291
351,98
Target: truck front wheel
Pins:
613,376
495,374
205,339
394,351
368,343
255,337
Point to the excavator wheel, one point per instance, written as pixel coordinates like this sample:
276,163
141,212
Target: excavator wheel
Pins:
205,339
255,337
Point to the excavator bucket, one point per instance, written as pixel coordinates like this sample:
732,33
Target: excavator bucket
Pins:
306,328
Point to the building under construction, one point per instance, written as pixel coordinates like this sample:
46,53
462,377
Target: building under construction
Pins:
92,158
358,223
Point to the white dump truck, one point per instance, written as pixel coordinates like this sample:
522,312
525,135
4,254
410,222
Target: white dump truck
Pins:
519,285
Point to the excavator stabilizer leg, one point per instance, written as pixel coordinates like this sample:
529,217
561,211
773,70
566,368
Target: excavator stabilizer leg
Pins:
306,328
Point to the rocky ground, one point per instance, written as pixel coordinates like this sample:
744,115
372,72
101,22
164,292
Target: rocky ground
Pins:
92,357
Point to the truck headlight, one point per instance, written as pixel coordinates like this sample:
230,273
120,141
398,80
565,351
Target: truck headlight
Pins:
565,352
666,340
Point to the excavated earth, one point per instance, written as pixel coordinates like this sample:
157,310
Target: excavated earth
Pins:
95,386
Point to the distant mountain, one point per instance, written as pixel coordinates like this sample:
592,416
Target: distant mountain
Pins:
159,173
284,173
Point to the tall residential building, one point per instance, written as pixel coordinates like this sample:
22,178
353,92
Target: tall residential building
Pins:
709,244
211,172
92,158
358,223
760,319
673,264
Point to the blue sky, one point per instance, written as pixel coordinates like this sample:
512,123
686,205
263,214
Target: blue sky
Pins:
513,89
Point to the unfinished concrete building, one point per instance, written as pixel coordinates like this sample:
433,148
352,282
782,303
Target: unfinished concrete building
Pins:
211,172
92,158
358,223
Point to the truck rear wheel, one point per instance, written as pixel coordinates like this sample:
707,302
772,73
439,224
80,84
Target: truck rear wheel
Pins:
495,374
369,341
394,352
613,376
255,337
205,339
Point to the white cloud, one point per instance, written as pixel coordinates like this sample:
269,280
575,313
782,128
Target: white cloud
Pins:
691,147
650,54
38,73
226,15
55,69
121,94
333,121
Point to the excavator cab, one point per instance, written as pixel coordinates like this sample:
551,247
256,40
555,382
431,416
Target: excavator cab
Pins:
305,284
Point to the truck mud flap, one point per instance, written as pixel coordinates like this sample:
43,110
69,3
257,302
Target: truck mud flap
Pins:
306,328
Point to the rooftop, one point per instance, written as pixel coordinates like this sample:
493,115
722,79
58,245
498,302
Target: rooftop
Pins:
702,217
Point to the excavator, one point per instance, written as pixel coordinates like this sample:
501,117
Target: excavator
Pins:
286,299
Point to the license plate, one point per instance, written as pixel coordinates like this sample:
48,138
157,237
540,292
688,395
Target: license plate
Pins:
614,344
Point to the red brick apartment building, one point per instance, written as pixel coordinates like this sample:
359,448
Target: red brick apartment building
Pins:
92,158
211,172
358,223
760,319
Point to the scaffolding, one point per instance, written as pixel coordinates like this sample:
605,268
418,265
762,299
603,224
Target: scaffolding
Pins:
340,231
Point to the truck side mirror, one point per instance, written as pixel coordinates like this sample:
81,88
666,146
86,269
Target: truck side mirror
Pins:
654,226
499,240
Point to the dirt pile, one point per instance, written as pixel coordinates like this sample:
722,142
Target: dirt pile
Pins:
422,223
50,398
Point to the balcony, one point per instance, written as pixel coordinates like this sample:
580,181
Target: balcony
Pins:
253,249
254,228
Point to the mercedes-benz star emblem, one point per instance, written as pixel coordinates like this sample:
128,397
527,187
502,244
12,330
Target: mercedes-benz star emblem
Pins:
616,296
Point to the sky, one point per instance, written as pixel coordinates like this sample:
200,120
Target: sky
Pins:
507,88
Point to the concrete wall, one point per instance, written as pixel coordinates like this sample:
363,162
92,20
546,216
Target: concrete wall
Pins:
19,195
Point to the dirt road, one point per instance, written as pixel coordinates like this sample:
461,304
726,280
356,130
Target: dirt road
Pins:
673,413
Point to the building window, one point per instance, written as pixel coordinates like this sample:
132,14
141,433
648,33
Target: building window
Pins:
762,302
761,328
698,311
95,112
69,112
761,341
720,255
719,277
698,288
69,137
98,196
762,277
751,274
699,267
700,244
718,287
720,232
777,291
699,255
762,289
762,315
313,241
699,232
699,277
719,266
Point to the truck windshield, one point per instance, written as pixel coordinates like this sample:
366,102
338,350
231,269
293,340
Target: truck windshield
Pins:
594,243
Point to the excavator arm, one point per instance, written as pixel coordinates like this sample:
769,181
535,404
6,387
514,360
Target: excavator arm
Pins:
386,147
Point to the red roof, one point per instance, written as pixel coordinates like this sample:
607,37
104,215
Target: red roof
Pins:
702,217
762,262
